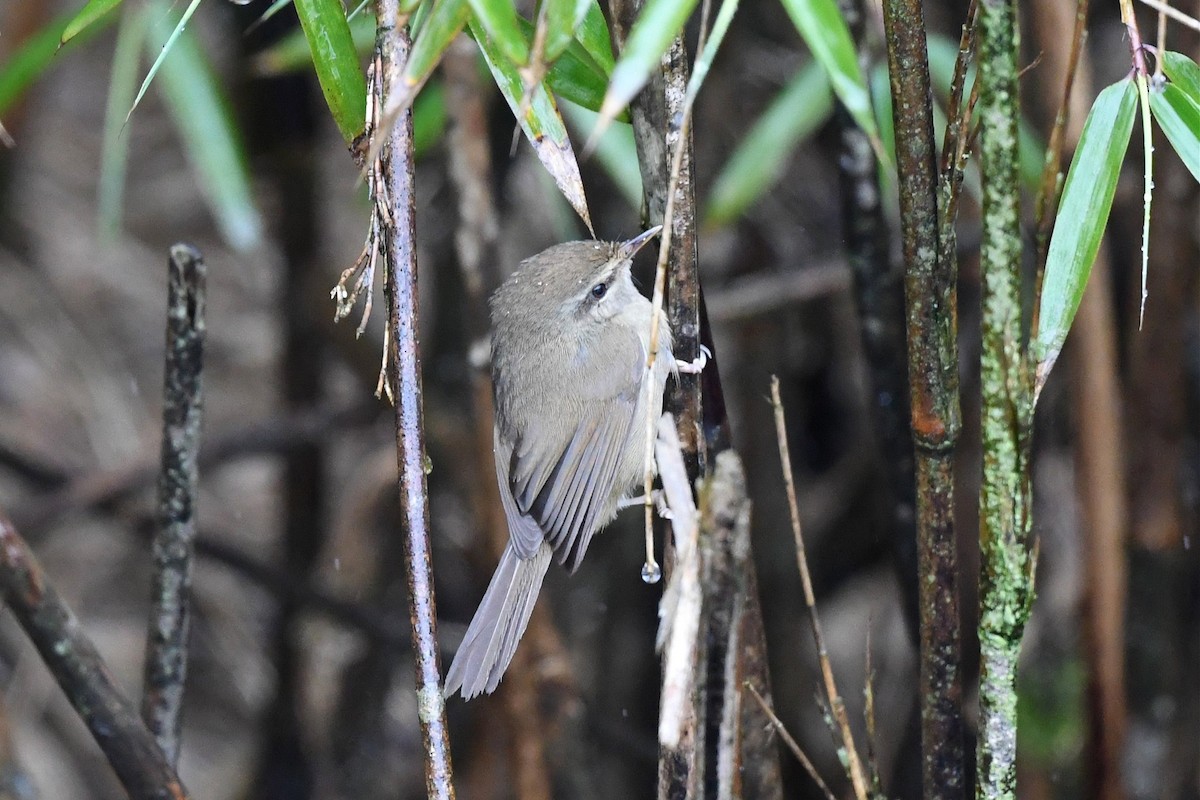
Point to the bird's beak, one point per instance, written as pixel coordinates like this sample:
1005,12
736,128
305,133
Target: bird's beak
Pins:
629,249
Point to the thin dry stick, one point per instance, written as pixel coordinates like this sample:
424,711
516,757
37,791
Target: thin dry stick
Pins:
400,266
1174,13
791,743
836,706
165,668
84,678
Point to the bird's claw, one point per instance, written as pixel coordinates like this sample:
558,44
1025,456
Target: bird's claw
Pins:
695,366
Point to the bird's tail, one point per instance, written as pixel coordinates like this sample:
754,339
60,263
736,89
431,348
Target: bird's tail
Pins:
499,623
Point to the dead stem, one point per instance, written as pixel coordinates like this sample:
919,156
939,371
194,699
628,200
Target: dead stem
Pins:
837,708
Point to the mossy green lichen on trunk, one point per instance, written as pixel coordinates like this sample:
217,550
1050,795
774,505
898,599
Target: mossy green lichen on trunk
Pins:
1005,378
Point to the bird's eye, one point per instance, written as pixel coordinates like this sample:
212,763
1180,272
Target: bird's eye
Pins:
599,290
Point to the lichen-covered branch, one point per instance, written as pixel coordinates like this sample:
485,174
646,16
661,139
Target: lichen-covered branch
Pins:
931,303
84,678
1006,381
167,640
400,260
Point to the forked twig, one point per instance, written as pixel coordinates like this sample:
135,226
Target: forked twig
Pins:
791,743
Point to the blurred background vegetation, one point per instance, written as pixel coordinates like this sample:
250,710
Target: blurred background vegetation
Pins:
300,684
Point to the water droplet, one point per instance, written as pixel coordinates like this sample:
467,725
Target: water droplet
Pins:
651,572
427,464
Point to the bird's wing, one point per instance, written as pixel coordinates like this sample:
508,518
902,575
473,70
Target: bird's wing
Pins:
558,490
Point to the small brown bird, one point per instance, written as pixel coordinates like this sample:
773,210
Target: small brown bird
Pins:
570,337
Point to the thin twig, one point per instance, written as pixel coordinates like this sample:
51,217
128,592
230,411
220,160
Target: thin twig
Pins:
836,706
165,670
1174,13
84,678
791,743
400,266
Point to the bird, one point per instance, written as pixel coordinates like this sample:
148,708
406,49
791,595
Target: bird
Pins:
569,343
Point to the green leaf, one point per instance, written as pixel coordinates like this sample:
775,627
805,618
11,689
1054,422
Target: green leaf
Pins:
429,118
652,33
803,105
881,100
616,151
1082,216
1183,72
574,75
162,53
446,19
114,152
824,31
90,14
32,58
272,10
711,45
1179,117
206,124
542,124
336,62
563,17
292,53
499,19
592,33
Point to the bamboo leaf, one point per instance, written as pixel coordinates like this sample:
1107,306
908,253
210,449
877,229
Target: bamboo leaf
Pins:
429,118
574,75
272,10
336,63
1179,117
203,118
114,153
1183,72
542,124
162,53
446,19
616,151
499,19
592,33
711,45
90,14
1082,216
563,17
650,36
31,59
800,108
824,31
292,53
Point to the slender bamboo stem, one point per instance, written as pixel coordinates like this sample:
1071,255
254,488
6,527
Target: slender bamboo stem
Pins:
931,303
167,642
1006,380
400,259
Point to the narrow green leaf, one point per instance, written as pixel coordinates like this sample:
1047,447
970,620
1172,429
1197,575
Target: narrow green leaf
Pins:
542,124
652,33
881,101
31,59
272,10
1179,117
711,45
206,124
292,53
824,31
114,152
1082,216
803,105
499,19
336,63
563,17
1183,72
162,53
446,19
592,33
574,75
616,151
94,11
429,118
